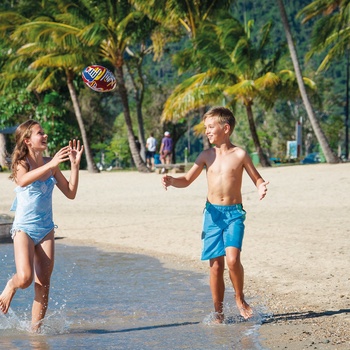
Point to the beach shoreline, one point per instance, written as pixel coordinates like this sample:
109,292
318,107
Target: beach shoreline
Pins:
295,251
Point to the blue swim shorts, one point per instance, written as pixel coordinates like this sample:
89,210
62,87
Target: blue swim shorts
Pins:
223,226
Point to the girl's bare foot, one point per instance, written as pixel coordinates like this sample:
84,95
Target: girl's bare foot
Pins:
218,318
36,327
6,297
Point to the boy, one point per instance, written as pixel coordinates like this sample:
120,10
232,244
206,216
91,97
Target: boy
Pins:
223,226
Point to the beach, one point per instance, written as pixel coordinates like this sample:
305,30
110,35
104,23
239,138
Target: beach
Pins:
296,247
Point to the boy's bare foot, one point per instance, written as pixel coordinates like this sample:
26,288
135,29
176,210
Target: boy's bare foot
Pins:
244,309
6,297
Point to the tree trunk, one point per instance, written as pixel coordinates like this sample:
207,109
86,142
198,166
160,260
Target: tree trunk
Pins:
73,95
327,151
139,95
262,156
139,163
2,151
347,105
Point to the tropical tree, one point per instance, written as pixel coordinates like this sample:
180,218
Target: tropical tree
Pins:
327,151
331,34
179,18
179,15
110,27
50,55
134,68
107,29
236,70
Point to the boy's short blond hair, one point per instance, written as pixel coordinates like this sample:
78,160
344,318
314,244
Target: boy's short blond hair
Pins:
224,116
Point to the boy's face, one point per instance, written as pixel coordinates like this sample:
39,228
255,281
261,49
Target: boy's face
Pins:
215,131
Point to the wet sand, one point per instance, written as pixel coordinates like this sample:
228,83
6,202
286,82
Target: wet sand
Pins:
296,250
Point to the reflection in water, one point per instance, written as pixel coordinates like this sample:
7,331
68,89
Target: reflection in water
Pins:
121,301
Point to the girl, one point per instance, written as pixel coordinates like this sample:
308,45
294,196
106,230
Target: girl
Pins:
33,227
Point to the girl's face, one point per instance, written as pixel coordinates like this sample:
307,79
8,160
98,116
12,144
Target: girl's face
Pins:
214,130
38,139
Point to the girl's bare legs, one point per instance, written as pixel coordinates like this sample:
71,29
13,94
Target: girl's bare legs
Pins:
27,258
217,285
236,272
24,257
43,265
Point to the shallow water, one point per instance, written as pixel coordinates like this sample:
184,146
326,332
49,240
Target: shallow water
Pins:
102,300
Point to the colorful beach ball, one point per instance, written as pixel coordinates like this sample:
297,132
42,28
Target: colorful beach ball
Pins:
99,78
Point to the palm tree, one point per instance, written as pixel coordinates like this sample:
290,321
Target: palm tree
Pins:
48,56
187,15
328,152
134,68
111,30
177,17
51,56
331,34
106,32
233,67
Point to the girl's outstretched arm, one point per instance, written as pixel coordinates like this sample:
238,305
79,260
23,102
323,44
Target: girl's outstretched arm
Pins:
24,177
69,188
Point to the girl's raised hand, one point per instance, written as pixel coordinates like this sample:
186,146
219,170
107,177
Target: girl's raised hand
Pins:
75,151
61,156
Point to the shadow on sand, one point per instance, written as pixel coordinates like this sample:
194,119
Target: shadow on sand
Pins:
303,315
145,328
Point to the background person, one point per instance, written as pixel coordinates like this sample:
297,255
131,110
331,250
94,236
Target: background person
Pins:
166,149
151,145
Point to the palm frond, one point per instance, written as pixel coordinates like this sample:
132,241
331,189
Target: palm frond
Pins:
268,81
245,89
192,94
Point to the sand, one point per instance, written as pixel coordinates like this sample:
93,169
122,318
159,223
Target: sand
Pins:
296,250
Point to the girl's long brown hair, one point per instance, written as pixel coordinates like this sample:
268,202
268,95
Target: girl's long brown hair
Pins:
23,131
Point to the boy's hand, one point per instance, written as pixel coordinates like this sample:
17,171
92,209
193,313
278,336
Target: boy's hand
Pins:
262,189
166,181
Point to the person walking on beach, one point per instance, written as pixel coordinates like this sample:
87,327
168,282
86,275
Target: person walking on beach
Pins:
33,227
166,149
223,224
151,145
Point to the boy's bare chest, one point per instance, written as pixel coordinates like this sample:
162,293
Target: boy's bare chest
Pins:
224,164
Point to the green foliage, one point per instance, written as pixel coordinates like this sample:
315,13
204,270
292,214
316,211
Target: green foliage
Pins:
101,112
119,144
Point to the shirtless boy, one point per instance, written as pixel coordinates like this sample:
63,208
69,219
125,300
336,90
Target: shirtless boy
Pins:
224,215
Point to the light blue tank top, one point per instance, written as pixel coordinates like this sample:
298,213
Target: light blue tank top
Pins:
33,206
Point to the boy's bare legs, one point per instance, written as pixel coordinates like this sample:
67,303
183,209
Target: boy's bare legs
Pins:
217,285
236,272
43,263
24,255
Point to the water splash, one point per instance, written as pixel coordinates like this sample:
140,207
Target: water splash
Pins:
54,323
143,306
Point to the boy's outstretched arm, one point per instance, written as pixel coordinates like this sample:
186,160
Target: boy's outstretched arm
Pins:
183,181
262,188
259,182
